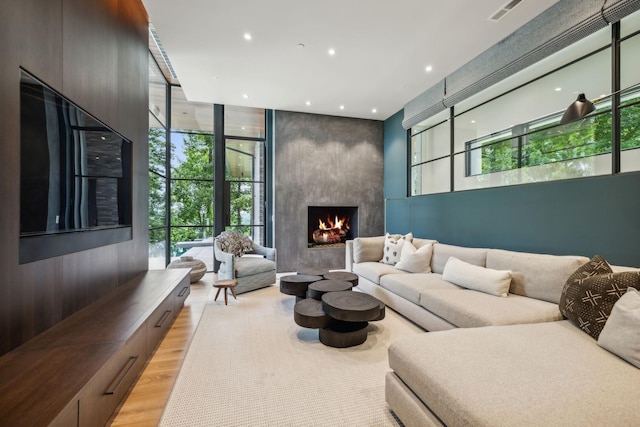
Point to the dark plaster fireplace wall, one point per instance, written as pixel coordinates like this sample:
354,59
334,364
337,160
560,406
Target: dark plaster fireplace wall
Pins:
324,161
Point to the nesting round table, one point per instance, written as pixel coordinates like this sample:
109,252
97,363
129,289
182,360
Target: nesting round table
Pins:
328,304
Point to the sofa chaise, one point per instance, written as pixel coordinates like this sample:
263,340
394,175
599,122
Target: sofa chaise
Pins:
497,356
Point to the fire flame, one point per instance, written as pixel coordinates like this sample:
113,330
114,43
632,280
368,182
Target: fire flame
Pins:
331,231
331,225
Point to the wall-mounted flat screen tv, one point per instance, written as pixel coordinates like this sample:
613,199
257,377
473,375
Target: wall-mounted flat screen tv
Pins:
75,176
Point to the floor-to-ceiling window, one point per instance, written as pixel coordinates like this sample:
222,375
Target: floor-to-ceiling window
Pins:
244,130
183,197
158,219
192,179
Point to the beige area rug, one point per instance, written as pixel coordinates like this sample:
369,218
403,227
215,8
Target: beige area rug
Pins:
249,364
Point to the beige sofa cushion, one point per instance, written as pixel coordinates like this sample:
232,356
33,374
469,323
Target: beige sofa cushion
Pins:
543,374
367,249
374,270
537,276
442,253
410,286
469,309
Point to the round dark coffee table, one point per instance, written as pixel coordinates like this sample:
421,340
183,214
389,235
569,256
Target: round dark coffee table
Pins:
351,306
312,271
297,284
308,313
321,287
350,314
341,316
342,275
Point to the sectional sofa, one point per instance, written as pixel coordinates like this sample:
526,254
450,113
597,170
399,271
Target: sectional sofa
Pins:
500,350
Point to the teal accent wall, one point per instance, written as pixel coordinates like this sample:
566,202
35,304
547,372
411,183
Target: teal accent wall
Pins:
587,216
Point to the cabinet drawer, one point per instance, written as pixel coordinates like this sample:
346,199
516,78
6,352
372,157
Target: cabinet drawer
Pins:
102,394
159,323
180,293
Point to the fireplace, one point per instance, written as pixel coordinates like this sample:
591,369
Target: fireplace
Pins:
331,226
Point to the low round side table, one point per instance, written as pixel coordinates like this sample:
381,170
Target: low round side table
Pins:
223,285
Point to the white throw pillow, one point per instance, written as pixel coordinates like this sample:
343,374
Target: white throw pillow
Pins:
415,260
490,281
393,247
621,332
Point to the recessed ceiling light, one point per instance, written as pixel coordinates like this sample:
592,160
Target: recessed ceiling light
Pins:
374,111
245,96
308,103
247,36
429,69
332,51
342,107
473,121
558,89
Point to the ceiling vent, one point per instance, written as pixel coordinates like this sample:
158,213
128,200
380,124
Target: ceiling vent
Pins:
500,13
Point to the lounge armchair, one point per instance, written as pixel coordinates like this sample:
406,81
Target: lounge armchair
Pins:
253,270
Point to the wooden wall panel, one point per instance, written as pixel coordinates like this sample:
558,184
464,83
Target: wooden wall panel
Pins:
85,49
133,69
31,38
39,287
90,56
88,275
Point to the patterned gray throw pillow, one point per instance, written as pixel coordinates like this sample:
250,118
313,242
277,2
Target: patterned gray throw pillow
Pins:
588,302
235,243
596,266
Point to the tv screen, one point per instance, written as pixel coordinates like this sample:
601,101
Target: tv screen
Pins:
75,174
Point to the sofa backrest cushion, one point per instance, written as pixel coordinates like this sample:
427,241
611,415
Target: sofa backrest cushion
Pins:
537,276
442,253
418,242
366,249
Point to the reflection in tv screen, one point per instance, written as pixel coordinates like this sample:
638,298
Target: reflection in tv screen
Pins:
75,171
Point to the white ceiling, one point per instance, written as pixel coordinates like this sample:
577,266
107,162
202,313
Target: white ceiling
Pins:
382,49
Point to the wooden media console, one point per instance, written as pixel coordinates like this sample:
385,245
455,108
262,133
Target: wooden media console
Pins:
77,372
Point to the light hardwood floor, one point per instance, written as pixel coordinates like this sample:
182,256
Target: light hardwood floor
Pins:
146,400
